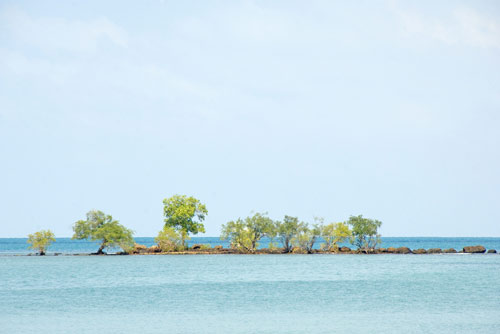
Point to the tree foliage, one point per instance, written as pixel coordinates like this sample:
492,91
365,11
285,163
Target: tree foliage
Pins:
364,232
41,240
307,237
170,240
102,228
287,230
184,214
246,234
335,233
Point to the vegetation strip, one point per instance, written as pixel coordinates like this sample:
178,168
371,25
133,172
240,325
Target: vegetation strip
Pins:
184,216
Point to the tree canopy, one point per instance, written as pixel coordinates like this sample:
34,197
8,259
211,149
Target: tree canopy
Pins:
287,230
102,228
335,233
306,237
41,240
185,214
364,232
246,234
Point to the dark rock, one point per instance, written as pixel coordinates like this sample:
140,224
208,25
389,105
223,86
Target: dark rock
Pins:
382,250
196,246
345,249
491,251
449,250
419,251
474,249
391,250
403,250
154,249
434,251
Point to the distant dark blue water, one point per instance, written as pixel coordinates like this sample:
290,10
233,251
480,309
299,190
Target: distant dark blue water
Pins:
67,246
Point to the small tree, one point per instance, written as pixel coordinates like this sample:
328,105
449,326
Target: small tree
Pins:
259,226
246,234
307,237
238,235
102,228
185,214
169,240
41,240
335,233
287,230
364,232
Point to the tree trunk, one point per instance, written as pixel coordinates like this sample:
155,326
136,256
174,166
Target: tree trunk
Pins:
288,248
100,250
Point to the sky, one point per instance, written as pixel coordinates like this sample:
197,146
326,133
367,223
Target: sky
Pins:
389,109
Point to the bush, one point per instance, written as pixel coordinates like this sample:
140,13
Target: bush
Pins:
169,240
41,240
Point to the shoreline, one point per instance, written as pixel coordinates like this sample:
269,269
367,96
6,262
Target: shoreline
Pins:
197,250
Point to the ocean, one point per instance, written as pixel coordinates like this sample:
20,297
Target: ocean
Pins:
442,293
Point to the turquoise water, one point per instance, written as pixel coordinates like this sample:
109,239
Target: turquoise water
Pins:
455,293
68,246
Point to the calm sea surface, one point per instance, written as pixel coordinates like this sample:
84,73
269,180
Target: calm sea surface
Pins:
250,294
445,293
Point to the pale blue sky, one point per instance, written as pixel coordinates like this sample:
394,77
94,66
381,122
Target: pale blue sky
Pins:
309,108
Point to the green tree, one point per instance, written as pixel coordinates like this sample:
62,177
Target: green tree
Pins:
185,214
364,232
335,233
102,228
41,240
307,237
287,230
238,235
246,234
170,240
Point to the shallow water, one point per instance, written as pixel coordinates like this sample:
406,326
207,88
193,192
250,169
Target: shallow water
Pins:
456,293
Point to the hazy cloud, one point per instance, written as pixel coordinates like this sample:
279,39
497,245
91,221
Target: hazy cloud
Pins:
53,34
462,26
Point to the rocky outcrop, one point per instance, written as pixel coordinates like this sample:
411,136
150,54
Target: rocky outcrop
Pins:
474,249
196,246
391,250
154,249
491,251
403,250
449,250
139,249
434,251
218,247
344,249
419,251
382,250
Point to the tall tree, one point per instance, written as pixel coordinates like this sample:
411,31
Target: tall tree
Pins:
41,240
102,228
288,229
185,214
364,232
